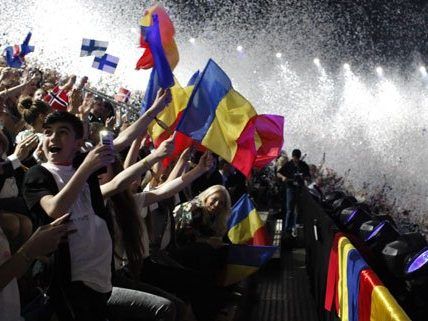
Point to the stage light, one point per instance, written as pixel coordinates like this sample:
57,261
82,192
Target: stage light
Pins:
367,227
353,217
342,203
192,40
417,265
329,199
346,66
396,252
379,71
278,55
239,48
382,233
317,62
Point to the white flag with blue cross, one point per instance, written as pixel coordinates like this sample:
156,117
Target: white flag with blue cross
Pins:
91,47
107,63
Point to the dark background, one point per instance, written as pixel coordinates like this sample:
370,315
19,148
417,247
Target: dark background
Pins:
364,32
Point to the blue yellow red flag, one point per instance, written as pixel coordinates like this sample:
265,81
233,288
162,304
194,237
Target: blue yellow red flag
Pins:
245,225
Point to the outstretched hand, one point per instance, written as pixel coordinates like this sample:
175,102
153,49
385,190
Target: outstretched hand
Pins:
100,156
163,98
46,238
166,148
205,162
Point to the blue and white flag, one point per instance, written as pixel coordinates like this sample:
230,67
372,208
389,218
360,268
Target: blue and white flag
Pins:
91,47
106,63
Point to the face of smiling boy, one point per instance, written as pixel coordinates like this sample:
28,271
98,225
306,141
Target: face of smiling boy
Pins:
60,144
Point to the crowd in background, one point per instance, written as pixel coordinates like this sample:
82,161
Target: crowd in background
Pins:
106,222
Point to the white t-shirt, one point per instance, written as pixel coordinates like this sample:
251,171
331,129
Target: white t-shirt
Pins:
91,245
10,306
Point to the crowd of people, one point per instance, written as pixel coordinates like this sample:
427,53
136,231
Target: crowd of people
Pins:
99,229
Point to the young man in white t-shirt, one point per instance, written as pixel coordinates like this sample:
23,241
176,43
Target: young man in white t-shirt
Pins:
82,275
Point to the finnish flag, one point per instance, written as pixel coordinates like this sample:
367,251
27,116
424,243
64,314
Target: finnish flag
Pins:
106,63
91,47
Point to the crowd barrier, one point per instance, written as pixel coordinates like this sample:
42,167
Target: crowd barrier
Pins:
343,285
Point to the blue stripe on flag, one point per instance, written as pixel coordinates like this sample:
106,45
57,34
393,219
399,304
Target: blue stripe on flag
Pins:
209,90
151,91
249,255
240,211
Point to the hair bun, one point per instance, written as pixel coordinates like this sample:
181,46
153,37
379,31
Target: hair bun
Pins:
26,103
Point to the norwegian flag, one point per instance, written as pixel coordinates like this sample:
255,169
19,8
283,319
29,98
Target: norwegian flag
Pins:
122,95
57,98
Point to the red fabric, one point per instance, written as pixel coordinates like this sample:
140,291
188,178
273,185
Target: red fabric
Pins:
246,151
146,60
368,281
331,295
57,98
260,237
270,129
167,32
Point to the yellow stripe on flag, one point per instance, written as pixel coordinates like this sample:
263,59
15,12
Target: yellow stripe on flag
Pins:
343,299
343,241
244,231
384,307
235,273
232,115
180,97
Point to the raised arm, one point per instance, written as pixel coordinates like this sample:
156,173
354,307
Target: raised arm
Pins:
43,241
57,205
122,180
132,155
169,189
181,165
14,91
139,127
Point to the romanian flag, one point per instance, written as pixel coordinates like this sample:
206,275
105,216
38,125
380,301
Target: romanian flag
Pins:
245,225
166,30
355,288
169,117
152,36
220,119
244,260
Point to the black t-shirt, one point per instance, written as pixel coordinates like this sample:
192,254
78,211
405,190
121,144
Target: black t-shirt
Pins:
39,182
295,173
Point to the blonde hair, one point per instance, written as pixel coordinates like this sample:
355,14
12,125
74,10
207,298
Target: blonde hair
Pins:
223,213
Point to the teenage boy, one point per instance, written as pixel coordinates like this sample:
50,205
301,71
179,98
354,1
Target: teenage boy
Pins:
82,271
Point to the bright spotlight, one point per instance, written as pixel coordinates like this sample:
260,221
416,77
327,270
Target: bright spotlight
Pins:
278,55
423,71
239,48
346,66
317,62
379,71
192,40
